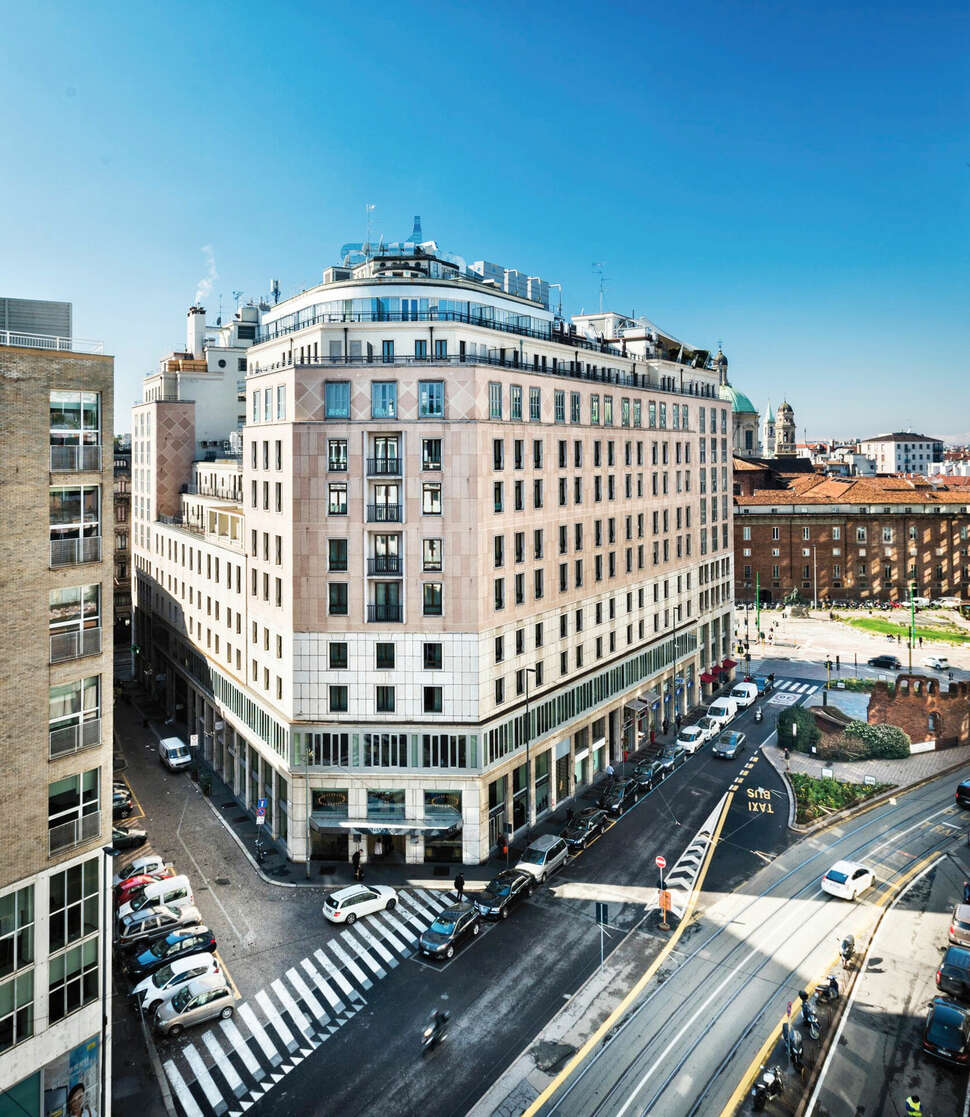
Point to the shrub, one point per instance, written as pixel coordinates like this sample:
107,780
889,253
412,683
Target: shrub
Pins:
818,797
807,735
885,742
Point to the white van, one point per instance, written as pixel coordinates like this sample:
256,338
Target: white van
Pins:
174,753
723,710
744,694
171,892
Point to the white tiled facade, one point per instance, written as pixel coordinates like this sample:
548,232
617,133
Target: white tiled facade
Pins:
445,493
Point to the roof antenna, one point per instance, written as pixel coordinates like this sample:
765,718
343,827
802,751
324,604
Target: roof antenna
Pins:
219,319
598,266
368,209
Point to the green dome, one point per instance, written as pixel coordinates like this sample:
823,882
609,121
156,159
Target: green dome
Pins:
738,400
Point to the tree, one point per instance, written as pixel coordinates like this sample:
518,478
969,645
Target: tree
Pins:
807,734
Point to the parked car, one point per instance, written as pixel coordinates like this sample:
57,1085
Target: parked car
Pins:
500,895
205,998
889,662
744,694
963,793
728,745
127,837
584,827
347,905
763,683
959,930
722,711
675,755
946,1033
953,976
154,922
122,804
546,854
450,927
147,863
133,886
167,979
665,762
846,879
937,662
619,796
691,737
709,726
648,773
171,892
174,754
179,943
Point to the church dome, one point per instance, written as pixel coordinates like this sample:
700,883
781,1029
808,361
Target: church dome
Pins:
738,400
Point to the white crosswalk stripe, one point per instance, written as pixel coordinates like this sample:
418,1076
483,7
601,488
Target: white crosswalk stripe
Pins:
375,944
306,996
266,1045
241,1047
333,970
324,986
286,1000
436,903
204,1079
413,919
349,964
221,1060
361,951
182,1092
389,925
272,1014
426,914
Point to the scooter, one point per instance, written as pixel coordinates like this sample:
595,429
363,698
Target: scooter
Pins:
847,950
759,715
809,1015
794,1046
829,991
435,1032
770,1085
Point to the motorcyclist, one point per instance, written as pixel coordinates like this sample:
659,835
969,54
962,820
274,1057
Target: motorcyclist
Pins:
439,1018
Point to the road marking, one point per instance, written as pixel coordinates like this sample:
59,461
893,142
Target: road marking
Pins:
385,917
227,975
332,999
361,951
182,1091
203,878
405,913
349,964
376,945
204,1079
333,971
241,1048
903,833
425,914
292,1008
306,996
434,902
221,1060
259,1033
276,1020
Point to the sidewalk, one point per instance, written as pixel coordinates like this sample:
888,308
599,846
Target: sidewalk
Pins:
900,773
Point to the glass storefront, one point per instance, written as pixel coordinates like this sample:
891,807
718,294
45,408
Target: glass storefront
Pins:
496,811
542,762
444,844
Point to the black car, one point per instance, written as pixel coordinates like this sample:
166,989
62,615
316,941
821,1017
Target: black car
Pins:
953,976
146,958
946,1033
619,795
888,661
500,895
122,802
963,793
127,838
584,827
449,928
648,773
665,762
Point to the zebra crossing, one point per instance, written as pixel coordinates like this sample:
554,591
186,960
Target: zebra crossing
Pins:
787,692
227,1068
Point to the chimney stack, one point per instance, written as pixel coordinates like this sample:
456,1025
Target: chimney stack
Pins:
195,331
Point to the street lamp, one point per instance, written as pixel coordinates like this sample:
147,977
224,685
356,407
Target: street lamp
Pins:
306,757
528,767
109,852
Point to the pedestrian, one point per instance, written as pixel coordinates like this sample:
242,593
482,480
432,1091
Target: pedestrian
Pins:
787,759
921,641
459,886
913,1107
653,732
678,720
666,726
355,861
610,773
570,814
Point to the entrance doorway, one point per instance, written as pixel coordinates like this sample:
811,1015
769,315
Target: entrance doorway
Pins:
388,848
329,847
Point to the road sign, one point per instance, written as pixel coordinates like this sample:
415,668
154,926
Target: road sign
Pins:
261,805
602,913
260,812
193,740
665,900
661,862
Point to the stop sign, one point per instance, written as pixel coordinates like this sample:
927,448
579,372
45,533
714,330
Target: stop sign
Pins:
661,862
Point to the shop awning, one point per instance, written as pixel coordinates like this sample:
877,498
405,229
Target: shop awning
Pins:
652,697
443,819
637,705
706,677
728,664
716,670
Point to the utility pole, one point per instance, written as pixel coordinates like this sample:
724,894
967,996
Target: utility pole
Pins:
757,605
912,624
815,575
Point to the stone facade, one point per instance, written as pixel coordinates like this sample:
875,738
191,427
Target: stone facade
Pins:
921,708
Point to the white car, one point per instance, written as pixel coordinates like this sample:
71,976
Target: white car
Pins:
165,982
937,662
347,905
691,737
846,879
147,865
709,727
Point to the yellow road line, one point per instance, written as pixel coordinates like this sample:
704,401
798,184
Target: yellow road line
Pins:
225,970
140,813
621,1008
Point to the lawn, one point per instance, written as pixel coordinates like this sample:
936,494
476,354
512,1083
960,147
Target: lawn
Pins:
815,798
951,634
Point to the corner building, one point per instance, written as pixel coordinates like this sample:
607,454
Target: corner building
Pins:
471,553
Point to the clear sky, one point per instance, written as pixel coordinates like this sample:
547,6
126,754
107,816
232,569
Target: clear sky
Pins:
790,180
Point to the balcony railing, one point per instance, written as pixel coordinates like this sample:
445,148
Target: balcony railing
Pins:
66,835
75,459
72,552
384,564
74,738
385,613
75,644
384,513
49,341
383,467
207,490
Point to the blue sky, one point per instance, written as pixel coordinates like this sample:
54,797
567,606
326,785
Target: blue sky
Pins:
791,181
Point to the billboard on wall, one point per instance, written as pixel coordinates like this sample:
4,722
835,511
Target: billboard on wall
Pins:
72,1082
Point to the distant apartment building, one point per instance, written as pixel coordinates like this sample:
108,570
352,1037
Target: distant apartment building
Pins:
122,551
56,592
856,540
902,452
467,551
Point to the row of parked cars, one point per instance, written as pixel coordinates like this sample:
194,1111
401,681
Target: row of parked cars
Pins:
946,1033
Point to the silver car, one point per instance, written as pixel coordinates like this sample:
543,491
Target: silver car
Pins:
959,932
205,998
154,922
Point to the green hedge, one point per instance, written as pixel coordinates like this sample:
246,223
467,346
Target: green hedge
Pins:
816,798
807,735
883,742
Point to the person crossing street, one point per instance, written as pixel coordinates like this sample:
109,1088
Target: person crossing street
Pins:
460,886
913,1107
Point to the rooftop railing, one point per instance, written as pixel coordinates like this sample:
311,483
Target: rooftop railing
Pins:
49,341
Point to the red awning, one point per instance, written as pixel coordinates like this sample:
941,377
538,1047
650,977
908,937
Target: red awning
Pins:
706,678
715,670
728,664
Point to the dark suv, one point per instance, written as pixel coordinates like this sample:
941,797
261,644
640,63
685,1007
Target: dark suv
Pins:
619,795
497,898
584,827
953,976
449,928
946,1033
963,793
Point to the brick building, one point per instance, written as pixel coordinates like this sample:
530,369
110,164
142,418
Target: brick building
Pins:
855,540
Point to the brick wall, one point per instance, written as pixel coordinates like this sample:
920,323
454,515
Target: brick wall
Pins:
920,708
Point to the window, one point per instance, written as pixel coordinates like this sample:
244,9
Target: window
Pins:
440,348
432,657
499,648
385,700
338,699
860,535
518,453
74,907
594,409
498,453
430,453
280,402
494,401
574,407
431,498
73,979
535,404
432,700
887,535
337,554
337,399
537,453
608,411
499,690
431,399
337,657
519,589
387,351
499,593
431,599
421,349
538,579
74,718
16,953
383,399
431,554
337,599
806,533
518,496
384,657
498,496
515,408
499,547
775,532
74,621
559,400
73,809
836,533
338,498
337,455
537,543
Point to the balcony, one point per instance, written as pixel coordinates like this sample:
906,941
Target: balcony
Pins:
73,552
73,738
384,513
73,833
384,564
50,341
75,644
76,459
385,614
383,467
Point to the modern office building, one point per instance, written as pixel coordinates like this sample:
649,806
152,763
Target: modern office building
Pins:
56,591
468,550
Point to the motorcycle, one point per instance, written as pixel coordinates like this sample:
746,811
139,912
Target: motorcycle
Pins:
847,950
434,1032
809,1015
794,1046
770,1085
829,991
759,715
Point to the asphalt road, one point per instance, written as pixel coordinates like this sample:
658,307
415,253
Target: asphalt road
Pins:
693,1036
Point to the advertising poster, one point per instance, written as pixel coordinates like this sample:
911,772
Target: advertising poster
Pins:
72,1082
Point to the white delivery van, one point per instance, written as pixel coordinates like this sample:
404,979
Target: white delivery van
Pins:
722,711
745,693
171,892
174,753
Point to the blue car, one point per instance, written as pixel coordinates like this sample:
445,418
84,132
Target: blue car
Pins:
177,944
